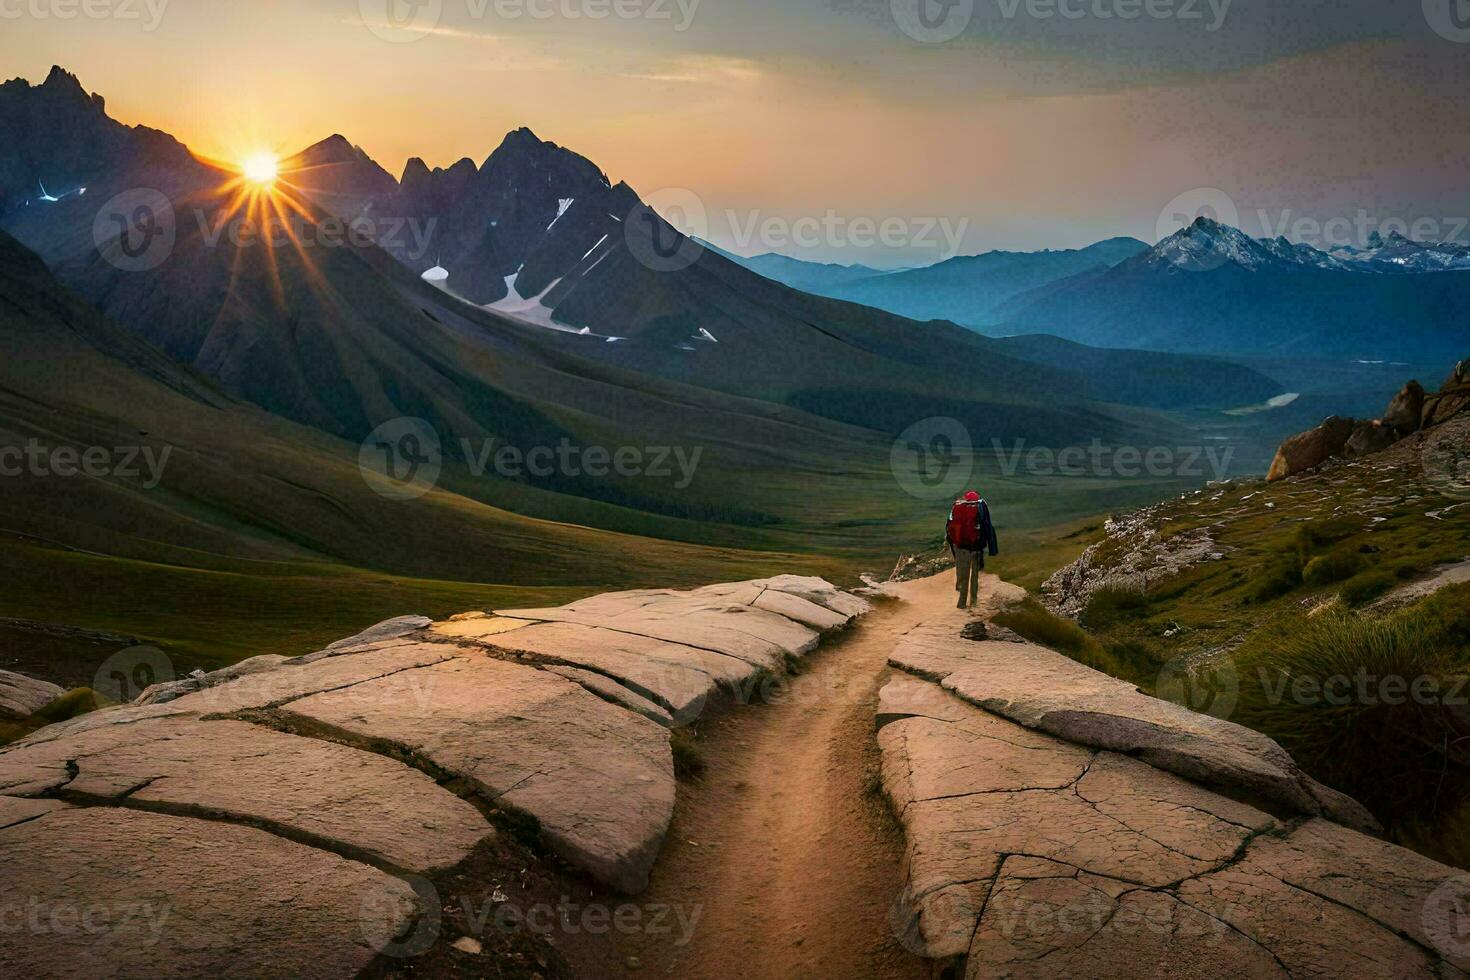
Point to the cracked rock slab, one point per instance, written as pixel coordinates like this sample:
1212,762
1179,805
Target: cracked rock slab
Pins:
1045,690
1017,868
679,678
614,693
598,778
107,892
1046,920
716,620
972,788
344,799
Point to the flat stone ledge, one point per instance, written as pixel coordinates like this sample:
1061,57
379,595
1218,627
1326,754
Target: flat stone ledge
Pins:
105,892
1029,855
1044,690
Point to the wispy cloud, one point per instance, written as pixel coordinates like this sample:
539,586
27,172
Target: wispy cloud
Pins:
701,70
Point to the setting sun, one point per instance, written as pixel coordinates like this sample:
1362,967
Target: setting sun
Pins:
261,169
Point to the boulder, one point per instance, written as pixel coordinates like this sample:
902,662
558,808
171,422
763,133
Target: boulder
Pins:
1444,407
1370,438
124,893
352,802
1312,448
22,696
1405,413
598,779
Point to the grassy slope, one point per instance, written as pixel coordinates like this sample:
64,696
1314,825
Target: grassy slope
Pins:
1283,603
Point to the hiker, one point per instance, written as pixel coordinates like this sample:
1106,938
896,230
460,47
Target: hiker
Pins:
969,533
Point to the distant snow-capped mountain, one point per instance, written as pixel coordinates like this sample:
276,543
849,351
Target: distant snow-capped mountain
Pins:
1211,288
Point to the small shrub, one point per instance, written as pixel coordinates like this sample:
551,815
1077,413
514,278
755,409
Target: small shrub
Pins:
1137,658
1279,579
1338,691
688,759
1113,604
77,701
1406,572
1366,587
1329,569
1040,625
1316,535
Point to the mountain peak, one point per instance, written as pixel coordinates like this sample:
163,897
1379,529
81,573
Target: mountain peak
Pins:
62,80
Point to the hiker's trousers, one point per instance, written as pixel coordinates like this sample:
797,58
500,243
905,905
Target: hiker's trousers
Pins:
967,566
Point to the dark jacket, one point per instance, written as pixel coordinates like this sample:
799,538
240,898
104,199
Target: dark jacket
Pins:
978,515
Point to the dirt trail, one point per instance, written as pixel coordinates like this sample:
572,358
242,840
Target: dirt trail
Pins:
785,848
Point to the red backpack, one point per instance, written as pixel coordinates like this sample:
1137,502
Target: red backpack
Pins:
964,529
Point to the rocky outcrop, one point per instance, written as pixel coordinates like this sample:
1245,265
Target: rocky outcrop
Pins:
265,807
1369,438
1406,412
1064,827
1411,410
1312,448
1135,554
22,696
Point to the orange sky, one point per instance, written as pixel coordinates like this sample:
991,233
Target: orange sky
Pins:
1030,134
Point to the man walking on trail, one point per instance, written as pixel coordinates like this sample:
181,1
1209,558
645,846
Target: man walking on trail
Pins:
970,533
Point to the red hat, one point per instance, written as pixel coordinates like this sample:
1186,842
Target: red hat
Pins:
972,496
